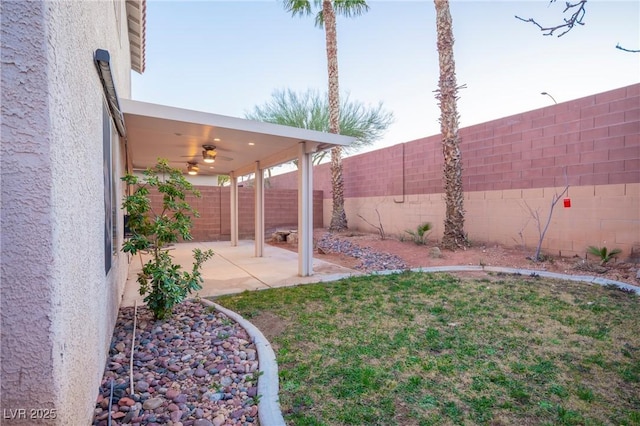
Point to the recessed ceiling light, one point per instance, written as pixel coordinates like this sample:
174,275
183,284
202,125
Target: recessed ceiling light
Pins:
251,143
216,139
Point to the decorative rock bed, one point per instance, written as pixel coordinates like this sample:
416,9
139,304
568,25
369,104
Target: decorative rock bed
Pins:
370,259
197,369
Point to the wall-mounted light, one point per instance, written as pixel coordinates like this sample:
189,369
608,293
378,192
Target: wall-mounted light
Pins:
192,168
209,154
102,60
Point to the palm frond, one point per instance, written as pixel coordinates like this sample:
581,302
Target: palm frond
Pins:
297,7
350,8
603,253
310,110
346,8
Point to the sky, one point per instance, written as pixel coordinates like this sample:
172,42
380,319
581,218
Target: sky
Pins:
225,57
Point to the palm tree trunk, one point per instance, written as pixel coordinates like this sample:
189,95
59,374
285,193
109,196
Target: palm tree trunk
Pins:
338,216
454,236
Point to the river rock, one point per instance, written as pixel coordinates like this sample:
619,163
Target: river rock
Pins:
192,365
152,403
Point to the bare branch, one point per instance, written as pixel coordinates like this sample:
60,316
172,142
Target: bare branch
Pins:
535,215
378,227
575,19
554,201
522,241
626,50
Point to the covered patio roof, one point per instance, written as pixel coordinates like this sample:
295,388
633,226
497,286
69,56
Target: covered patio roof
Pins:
243,147
178,135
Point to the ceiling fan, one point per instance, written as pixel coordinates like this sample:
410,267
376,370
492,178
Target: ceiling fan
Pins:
210,154
192,168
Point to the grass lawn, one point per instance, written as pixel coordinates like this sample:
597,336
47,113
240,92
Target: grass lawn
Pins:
436,349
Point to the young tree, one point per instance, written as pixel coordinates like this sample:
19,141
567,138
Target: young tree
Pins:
163,283
310,110
454,236
326,17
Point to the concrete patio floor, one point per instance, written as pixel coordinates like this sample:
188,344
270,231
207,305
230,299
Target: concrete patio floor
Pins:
236,269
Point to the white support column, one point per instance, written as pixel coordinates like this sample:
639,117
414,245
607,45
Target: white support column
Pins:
305,211
234,208
259,209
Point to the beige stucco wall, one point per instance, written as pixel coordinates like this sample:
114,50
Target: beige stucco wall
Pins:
604,215
58,307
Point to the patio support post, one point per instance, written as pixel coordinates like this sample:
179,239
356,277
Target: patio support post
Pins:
305,211
234,208
259,209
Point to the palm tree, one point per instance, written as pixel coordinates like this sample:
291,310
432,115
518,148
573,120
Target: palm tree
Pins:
454,236
326,17
310,110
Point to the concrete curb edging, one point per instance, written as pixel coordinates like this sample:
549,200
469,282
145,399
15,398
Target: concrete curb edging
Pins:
269,413
578,278
531,272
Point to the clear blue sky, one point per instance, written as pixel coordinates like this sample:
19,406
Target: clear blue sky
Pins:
225,57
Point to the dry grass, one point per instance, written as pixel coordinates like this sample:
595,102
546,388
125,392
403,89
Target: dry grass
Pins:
420,349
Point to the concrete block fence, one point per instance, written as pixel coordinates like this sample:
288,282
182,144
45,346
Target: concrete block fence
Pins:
214,223
592,144
511,166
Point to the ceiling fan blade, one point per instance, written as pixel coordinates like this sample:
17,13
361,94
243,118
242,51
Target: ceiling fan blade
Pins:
222,149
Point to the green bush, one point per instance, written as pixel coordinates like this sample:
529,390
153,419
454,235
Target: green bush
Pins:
604,255
163,283
419,236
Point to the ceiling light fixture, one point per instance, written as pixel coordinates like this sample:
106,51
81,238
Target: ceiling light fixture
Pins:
209,154
192,168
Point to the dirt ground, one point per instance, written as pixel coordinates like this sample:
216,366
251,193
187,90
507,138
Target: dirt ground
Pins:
414,256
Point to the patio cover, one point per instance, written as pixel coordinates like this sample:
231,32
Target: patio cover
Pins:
243,147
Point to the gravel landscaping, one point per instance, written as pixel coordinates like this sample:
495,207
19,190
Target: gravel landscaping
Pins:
200,368
369,259
197,369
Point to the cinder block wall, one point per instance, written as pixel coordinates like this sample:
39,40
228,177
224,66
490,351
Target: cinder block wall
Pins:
214,223
591,143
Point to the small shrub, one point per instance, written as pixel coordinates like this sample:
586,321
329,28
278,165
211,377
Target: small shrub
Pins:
419,236
163,283
603,253
542,258
584,265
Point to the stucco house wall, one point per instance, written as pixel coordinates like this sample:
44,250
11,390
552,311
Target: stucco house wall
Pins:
58,306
